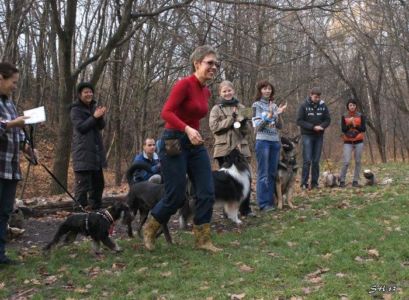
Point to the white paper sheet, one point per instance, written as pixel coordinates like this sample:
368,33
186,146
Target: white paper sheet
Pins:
37,115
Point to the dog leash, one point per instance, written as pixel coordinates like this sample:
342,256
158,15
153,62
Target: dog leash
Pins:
29,137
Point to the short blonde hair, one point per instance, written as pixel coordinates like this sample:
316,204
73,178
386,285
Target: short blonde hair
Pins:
225,83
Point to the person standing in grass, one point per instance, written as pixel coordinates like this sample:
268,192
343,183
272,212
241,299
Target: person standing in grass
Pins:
267,122
88,152
182,151
12,140
353,126
313,118
230,131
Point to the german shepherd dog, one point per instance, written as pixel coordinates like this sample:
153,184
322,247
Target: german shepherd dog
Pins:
142,197
232,185
97,225
287,171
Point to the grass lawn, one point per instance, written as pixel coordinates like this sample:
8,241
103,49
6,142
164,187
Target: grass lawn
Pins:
339,244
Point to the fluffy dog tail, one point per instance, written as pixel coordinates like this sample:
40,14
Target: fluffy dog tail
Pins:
136,171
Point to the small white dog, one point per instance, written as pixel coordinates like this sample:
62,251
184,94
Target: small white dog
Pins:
330,180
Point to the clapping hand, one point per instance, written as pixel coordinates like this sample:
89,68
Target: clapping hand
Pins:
100,112
282,108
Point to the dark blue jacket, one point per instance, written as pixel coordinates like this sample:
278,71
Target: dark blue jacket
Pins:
311,114
153,164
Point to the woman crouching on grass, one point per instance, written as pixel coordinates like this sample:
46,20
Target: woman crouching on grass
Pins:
181,152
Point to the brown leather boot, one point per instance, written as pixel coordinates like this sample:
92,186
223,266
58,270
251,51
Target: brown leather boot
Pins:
202,238
149,233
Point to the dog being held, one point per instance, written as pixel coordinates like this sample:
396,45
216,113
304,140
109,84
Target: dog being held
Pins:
232,185
142,197
330,180
287,172
98,225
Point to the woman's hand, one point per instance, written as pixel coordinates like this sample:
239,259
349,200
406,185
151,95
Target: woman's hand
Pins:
282,108
100,112
194,136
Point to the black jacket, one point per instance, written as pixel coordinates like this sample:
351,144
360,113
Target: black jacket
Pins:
88,153
311,114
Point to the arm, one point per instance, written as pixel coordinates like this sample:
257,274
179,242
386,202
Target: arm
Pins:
81,124
218,122
362,128
326,118
176,97
344,127
301,121
259,119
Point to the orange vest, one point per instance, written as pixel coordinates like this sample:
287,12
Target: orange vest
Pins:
353,135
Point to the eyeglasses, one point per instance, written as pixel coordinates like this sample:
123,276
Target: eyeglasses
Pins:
212,63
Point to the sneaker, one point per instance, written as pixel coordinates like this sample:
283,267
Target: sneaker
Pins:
355,184
7,261
342,184
268,208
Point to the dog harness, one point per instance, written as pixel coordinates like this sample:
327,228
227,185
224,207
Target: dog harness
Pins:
107,216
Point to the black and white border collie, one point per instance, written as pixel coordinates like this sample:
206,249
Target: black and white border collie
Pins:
232,185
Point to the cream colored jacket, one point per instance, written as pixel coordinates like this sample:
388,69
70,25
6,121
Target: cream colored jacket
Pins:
226,137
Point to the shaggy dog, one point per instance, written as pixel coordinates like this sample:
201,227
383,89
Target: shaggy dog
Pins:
330,180
370,177
287,171
142,197
232,185
98,225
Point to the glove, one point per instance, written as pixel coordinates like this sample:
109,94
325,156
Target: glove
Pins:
234,115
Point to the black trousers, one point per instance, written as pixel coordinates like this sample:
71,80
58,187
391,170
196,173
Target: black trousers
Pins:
7,197
89,186
245,208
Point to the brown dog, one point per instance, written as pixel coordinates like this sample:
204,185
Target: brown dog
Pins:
287,172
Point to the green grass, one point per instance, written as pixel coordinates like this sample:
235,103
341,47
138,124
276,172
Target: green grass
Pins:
333,233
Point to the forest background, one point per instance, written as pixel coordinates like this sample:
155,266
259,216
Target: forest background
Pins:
134,51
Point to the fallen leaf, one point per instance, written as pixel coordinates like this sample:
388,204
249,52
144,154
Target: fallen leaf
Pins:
373,253
81,290
387,296
88,286
166,274
246,268
340,275
118,266
237,296
359,259
315,279
142,270
318,272
35,281
306,290
50,279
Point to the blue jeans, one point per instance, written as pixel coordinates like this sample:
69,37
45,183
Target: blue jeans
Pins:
7,196
311,153
194,161
267,155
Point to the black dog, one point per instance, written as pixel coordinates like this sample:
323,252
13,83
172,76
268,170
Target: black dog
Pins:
142,197
95,224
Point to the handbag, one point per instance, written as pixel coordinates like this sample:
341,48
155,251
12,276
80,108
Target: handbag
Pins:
173,147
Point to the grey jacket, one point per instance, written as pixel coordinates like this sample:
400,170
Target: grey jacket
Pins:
88,153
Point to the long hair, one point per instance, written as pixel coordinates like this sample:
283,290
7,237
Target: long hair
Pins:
262,84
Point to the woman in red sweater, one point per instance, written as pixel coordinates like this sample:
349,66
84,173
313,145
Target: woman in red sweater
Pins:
353,126
181,151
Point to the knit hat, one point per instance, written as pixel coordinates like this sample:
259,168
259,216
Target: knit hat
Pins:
315,91
84,85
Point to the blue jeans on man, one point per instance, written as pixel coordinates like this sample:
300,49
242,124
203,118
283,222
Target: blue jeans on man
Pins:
193,161
311,152
7,196
267,155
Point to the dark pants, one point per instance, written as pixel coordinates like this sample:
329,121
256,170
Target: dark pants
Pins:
245,208
7,197
89,186
311,152
268,155
194,161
